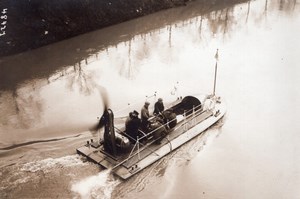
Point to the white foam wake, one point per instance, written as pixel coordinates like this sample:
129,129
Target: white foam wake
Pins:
97,186
49,163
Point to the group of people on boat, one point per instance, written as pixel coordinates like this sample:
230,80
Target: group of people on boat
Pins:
134,123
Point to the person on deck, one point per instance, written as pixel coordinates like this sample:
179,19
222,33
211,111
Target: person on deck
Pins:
158,107
132,125
145,115
128,120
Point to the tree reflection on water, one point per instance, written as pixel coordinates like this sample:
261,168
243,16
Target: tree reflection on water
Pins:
141,38
84,80
287,5
24,108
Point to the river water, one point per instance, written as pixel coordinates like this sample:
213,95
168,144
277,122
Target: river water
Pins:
50,97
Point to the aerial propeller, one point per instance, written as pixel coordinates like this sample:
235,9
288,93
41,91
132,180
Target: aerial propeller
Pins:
96,127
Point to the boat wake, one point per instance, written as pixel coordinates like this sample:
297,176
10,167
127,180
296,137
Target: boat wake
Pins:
37,141
96,186
41,173
47,165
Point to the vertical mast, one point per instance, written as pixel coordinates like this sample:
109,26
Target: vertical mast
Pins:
216,69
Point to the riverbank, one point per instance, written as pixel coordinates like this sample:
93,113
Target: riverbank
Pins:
35,23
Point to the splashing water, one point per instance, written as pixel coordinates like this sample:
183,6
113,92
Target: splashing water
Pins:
51,163
97,186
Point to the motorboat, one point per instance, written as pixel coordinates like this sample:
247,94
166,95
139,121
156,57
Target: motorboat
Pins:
127,151
126,154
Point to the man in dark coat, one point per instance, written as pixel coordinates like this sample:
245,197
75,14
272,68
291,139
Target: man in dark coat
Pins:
158,107
132,126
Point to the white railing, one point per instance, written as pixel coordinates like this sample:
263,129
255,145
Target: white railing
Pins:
194,113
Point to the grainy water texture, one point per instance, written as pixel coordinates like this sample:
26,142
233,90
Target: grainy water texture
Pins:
50,97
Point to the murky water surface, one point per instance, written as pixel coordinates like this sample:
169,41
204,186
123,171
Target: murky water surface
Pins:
50,97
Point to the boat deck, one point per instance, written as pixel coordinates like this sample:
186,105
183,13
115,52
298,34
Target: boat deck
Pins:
140,151
151,147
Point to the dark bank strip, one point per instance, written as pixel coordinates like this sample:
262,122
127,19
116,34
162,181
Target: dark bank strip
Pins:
33,23
30,24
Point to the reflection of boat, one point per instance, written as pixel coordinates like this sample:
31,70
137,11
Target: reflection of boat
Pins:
181,122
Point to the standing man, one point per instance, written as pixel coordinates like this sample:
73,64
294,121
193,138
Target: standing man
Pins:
145,115
158,106
132,126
